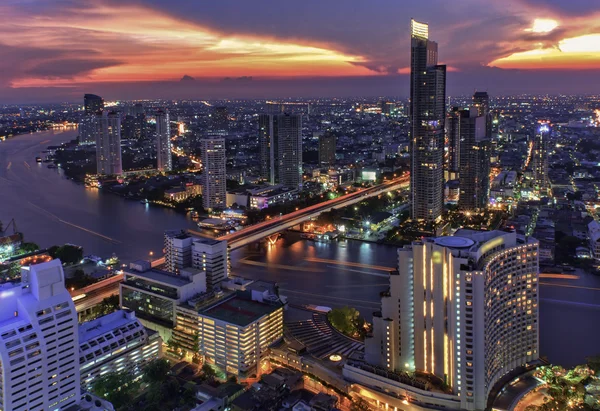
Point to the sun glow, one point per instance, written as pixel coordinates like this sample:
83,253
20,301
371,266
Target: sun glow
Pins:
543,26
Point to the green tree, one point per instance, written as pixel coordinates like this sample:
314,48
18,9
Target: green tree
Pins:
29,247
347,320
79,280
117,387
209,372
68,254
109,305
157,371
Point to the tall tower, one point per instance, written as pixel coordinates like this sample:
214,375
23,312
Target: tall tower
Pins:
93,104
220,120
540,158
214,179
280,138
164,160
108,144
90,124
427,115
327,143
468,130
481,101
456,309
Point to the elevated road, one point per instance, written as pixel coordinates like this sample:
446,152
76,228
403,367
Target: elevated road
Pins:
275,225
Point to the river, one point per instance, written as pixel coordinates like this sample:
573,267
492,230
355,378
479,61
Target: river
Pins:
50,209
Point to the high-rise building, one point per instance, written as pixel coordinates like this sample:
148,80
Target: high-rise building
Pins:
178,250
214,160
211,257
93,104
40,350
108,145
463,308
164,161
327,143
453,130
220,119
469,149
481,101
427,116
280,139
539,161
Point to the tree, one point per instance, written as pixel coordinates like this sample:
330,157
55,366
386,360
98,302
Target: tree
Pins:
79,280
116,387
68,254
347,320
208,371
109,305
29,247
157,371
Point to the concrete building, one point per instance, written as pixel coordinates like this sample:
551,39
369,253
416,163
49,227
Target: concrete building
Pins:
539,159
93,104
594,236
39,351
211,257
262,196
232,332
214,159
153,294
178,250
327,145
427,118
164,159
220,119
462,308
280,139
114,343
108,145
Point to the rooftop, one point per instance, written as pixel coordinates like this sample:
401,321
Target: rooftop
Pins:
208,241
160,276
239,311
92,329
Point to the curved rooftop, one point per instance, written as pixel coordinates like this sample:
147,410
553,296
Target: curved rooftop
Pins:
454,242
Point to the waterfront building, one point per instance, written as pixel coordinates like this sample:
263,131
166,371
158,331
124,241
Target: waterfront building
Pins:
233,332
117,342
427,119
327,143
467,133
463,309
108,145
539,159
93,104
39,350
153,294
178,250
280,140
90,124
164,161
214,159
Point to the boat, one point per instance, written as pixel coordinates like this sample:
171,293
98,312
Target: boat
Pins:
38,159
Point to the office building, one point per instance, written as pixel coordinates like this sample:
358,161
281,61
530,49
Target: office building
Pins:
280,139
164,161
214,188
469,149
453,131
427,118
232,332
108,145
463,308
220,119
211,257
153,294
93,104
117,342
39,351
481,101
90,124
539,160
327,143
178,250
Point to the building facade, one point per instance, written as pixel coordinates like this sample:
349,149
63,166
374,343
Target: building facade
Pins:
463,308
539,160
280,139
214,159
327,145
427,118
220,119
108,145
164,158
211,257
116,342
39,350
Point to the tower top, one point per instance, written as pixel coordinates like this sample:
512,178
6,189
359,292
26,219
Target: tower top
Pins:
418,29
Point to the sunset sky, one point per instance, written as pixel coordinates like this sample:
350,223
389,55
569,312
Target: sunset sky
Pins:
58,49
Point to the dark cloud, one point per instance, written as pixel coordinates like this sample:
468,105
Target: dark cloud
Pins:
569,7
68,67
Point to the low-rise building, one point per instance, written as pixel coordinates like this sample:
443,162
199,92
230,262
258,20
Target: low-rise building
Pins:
594,238
113,343
261,197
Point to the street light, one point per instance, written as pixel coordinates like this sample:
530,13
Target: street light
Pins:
151,254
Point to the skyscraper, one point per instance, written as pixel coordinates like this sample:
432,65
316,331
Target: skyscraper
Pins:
220,120
540,158
40,351
453,129
427,115
214,178
164,160
91,122
467,133
280,139
93,104
108,145
463,308
327,143
481,101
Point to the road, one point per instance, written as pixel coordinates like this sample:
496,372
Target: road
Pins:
272,226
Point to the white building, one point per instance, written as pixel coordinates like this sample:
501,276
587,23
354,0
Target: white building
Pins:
211,257
462,308
178,250
594,236
108,145
164,161
214,192
38,350
113,343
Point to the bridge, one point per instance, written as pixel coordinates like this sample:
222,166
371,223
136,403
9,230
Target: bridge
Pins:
275,225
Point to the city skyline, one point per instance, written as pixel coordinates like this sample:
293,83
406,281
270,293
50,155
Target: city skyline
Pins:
63,48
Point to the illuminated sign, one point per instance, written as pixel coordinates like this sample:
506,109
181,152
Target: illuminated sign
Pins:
419,29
